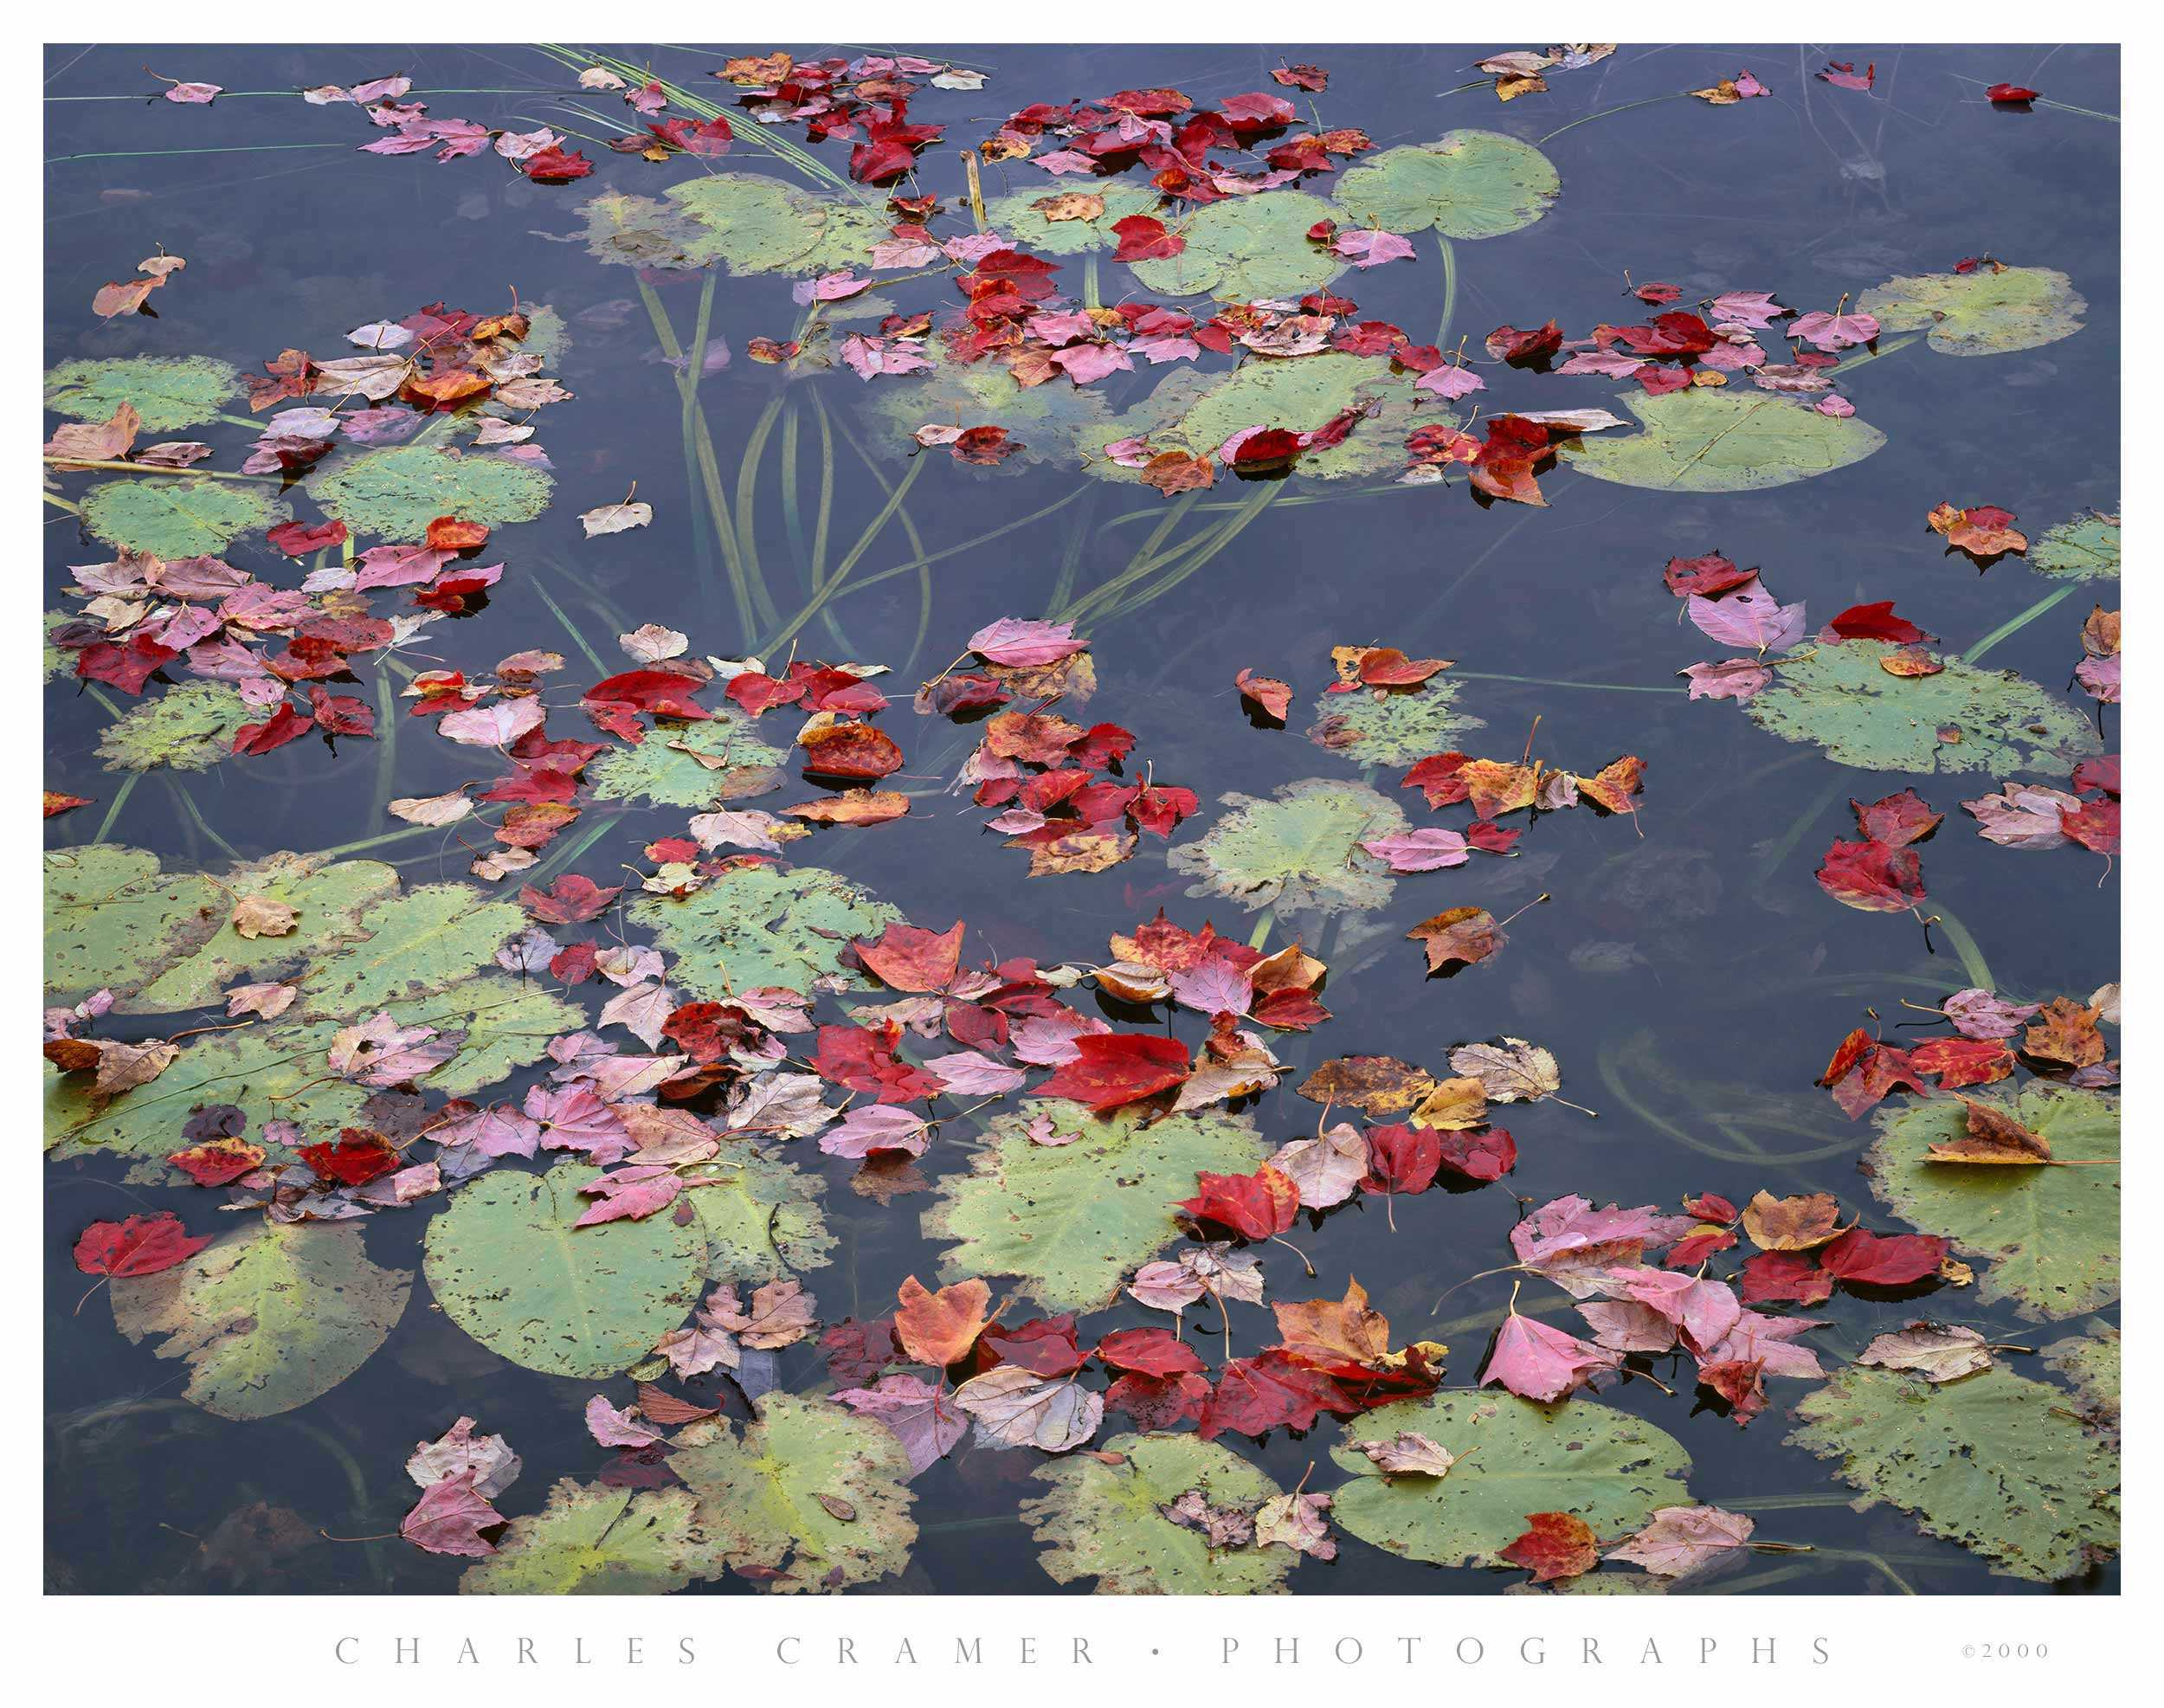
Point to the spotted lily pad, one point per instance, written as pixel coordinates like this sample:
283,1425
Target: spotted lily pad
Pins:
1467,183
1838,697
1074,1221
667,768
269,1316
1607,1467
168,391
1106,1521
639,231
185,517
2091,1362
1700,440
1057,421
1247,247
1994,1462
809,1490
1396,729
2052,1233
761,926
508,1266
761,1216
1299,853
2085,549
1979,313
756,224
594,1540
393,493
1018,217
411,945
188,728
113,917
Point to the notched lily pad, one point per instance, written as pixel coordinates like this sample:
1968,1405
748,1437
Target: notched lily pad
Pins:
755,224
1395,729
761,925
668,767
187,518
1466,183
1056,422
1299,853
639,231
593,1540
1018,217
410,946
761,1217
1732,440
1985,312
393,493
168,391
190,727
1247,247
2085,549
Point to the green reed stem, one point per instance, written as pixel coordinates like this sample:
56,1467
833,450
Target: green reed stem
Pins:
187,804
119,800
841,577
1966,947
570,627
747,499
2018,622
1450,291
1651,100
1561,682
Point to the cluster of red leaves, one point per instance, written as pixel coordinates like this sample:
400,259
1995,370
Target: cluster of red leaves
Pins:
1881,874
1983,532
539,153
862,102
2060,1040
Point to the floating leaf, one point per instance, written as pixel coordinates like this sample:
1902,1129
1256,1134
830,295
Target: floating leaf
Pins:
1993,1462
393,493
1702,440
696,765
1466,183
1247,247
171,519
592,1540
509,1268
761,926
187,728
269,1318
2052,1233
2091,1362
1604,1465
639,231
2085,549
754,224
1073,1221
409,946
1057,422
1299,853
1106,1522
1838,697
1990,311
1020,217
1393,730
113,917
808,1491
761,1217
167,392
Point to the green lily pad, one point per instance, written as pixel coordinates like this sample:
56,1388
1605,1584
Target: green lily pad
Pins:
507,1265
1074,1221
1197,412
1396,729
1468,183
755,224
113,917
1017,216
1838,697
763,1495
1993,1462
409,946
639,231
1245,247
762,1217
661,769
761,925
1056,422
1300,853
187,518
1605,1467
187,728
1729,441
1103,1521
2052,1233
2091,1362
592,1540
393,493
1979,313
168,391
269,1316
55,662
2085,549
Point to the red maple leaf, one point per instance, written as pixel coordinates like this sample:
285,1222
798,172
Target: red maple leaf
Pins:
1555,1544
1254,1206
908,958
142,1245
1271,1391
572,901
862,1058
1872,875
356,1156
1117,1067
1892,1260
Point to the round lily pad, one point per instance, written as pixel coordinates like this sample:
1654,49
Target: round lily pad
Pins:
1994,1462
1245,247
113,917
594,1540
666,768
185,517
1394,729
1722,441
393,493
2085,549
2091,1361
1607,1467
761,926
1467,183
639,231
188,728
1299,853
167,391
1979,313
761,1216
1074,1221
1838,697
2051,1234
1017,216
508,1266
756,224
408,946
1106,1521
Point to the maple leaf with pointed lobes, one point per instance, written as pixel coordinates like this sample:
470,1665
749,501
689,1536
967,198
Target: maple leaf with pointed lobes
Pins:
1257,1206
357,1157
1555,1545
1142,238
1873,876
572,900
1895,1261
1955,1062
1897,820
1113,1068
907,957
1863,1071
862,1058
217,1162
450,1517
1539,1363
1271,1391
1459,937
141,1245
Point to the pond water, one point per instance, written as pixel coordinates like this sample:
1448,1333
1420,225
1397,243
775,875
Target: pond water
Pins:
1686,971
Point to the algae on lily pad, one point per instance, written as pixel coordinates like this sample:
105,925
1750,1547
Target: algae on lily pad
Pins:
1299,853
392,494
508,1266
639,231
190,727
167,391
1732,440
2085,549
2051,1234
1106,1521
1071,1222
411,945
1987,312
1394,728
1246,248
269,1316
756,224
760,1215
1019,216
2091,1362
670,768
1994,1462
1839,697
1466,183
191,517
1607,1467
594,1540
113,917
809,1490
761,926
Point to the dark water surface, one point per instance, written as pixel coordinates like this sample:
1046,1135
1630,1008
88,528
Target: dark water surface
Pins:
1690,982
